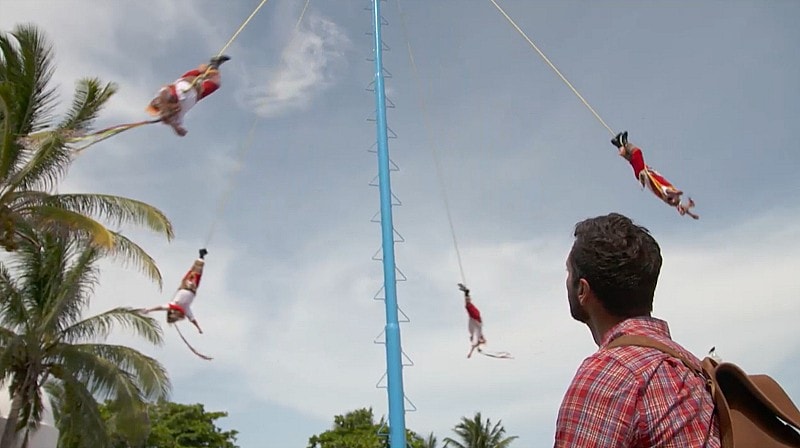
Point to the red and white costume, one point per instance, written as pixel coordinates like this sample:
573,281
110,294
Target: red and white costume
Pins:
186,292
475,324
475,328
188,93
652,179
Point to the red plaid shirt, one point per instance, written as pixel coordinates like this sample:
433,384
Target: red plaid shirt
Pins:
632,397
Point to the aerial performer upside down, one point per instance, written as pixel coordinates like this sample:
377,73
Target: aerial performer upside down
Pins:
173,101
475,327
650,178
181,305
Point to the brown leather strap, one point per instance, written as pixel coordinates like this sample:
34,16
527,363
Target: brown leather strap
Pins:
644,341
706,371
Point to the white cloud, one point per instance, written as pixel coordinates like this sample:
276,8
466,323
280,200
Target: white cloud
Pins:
308,66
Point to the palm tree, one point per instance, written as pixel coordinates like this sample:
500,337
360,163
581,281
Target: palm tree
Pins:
474,433
430,442
35,154
46,345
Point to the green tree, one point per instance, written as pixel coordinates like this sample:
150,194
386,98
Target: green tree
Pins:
173,425
47,343
475,433
358,429
35,154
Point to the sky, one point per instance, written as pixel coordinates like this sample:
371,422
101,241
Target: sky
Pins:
708,90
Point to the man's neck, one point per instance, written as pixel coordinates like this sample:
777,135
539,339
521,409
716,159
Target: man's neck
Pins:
602,324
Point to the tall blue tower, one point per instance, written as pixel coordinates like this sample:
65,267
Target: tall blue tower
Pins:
394,352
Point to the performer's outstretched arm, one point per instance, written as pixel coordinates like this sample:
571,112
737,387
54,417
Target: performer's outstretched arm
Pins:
156,308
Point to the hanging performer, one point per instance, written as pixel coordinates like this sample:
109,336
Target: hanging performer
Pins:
181,304
475,327
650,178
173,101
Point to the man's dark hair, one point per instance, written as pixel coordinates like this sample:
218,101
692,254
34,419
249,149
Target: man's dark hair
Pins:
621,262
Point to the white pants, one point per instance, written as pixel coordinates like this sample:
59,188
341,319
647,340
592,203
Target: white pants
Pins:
475,331
184,299
187,97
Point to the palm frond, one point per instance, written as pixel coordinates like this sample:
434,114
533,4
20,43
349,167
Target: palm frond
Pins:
11,352
8,145
8,55
18,198
54,390
40,166
72,294
12,306
129,252
30,415
41,268
475,433
103,378
88,100
31,72
99,327
7,336
430,441
150,376
451,442
17,230
77,414
116,210
64,223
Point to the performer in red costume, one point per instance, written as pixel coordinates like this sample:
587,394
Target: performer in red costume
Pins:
174,100
475,325
650,178
180,306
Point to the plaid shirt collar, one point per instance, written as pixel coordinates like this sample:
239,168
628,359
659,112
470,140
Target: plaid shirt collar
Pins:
642,326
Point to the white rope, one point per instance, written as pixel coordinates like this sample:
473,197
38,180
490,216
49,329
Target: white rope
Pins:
245,148
226,195
437,163
236,34
563,78
302,13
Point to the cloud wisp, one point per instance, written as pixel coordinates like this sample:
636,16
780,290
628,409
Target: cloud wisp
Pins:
308,66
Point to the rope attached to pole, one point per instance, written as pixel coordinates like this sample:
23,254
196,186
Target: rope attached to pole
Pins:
437,163
245,147
236,34
302,14
226,195
563,78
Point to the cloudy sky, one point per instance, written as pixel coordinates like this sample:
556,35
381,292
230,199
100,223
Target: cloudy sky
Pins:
708,89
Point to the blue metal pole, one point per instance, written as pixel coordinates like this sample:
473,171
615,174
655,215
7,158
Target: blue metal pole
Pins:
394,362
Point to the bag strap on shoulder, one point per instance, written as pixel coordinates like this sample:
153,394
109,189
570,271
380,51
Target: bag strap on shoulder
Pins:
644,341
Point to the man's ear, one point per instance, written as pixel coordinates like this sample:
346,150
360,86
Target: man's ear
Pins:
583,289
